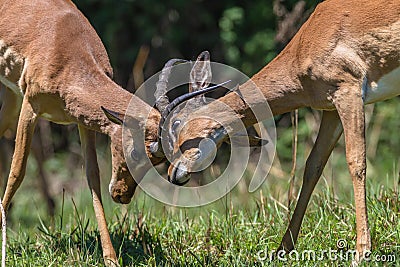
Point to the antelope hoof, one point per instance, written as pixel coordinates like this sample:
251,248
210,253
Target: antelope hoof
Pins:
287,243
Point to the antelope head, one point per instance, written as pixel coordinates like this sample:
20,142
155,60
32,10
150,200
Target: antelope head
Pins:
124,181
193,138
142,155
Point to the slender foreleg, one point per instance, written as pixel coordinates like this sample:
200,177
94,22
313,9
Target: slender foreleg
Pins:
329,132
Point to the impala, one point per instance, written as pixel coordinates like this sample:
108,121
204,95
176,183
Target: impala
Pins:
346,55
55,66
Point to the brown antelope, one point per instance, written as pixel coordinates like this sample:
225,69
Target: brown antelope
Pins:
55,66
346,55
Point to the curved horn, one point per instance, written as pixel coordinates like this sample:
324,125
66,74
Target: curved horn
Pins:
161,86
201,75
179,100
156,147
205,55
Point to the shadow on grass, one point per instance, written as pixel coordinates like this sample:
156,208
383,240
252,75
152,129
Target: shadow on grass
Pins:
133,247
136,247
133,243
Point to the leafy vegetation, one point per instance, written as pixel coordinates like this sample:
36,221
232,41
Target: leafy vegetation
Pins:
238,33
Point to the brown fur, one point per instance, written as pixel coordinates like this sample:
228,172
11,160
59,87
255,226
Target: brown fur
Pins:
51,52
343,45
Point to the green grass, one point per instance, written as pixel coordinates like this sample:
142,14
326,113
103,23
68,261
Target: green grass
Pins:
146,233
233,231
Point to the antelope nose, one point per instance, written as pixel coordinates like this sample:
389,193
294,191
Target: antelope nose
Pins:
179,175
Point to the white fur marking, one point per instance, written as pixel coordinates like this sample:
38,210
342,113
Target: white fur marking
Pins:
21,81
386,87
345,55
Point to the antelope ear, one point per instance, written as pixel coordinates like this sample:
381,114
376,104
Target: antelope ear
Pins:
113,116
243,140
200,75
128,121
256,141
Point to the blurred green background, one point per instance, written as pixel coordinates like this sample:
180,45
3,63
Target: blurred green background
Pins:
238,33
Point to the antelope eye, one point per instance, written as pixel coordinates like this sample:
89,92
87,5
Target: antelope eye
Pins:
134,155
175,126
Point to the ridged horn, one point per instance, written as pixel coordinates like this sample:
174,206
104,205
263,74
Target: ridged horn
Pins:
161,86
156,147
